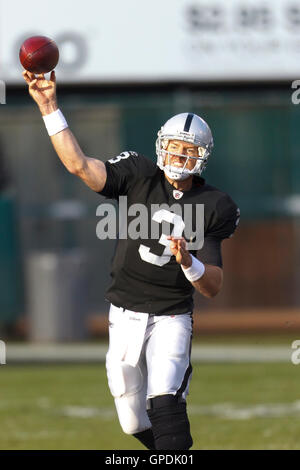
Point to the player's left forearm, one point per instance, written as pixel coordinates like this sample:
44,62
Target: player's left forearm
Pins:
209,278
211,282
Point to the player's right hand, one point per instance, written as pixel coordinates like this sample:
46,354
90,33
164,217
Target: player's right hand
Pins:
42,91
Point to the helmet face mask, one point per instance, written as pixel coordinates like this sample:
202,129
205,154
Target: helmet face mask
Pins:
186,127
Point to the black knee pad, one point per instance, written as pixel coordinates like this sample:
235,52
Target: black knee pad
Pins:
170,424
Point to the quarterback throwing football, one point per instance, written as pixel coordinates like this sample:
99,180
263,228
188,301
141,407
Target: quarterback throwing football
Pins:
153,279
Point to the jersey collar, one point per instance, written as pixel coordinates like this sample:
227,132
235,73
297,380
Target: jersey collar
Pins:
198,183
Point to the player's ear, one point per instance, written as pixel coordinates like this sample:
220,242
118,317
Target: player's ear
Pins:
165,144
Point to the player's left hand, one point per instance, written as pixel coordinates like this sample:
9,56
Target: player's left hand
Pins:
178,249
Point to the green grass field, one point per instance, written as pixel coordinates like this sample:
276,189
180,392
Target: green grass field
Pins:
69,407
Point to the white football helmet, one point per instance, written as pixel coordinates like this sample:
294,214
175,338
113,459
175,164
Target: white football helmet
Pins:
190,128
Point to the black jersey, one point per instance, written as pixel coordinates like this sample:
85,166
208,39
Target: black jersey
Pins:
145,276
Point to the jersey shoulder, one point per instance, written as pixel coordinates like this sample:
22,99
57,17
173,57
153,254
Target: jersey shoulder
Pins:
130,162
222,213
124,170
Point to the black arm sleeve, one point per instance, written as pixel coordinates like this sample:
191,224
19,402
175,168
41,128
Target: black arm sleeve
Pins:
210,253
224,221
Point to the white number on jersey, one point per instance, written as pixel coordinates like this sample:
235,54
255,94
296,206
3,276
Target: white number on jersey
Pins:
122,156
177,231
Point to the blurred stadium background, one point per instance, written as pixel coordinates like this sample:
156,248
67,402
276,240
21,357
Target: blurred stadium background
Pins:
125,68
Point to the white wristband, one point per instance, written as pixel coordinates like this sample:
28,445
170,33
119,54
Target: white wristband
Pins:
55,122
195,271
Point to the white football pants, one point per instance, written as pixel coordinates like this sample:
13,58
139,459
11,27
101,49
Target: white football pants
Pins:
148,356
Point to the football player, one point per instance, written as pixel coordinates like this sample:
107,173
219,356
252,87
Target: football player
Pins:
153,279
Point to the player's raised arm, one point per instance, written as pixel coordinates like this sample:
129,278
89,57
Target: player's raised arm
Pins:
91,170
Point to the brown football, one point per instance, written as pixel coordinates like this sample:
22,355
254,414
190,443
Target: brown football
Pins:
39,54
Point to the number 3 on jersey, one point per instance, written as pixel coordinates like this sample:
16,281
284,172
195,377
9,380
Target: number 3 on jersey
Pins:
177,231
122,156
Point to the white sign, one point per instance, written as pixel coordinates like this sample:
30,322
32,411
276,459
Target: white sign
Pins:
161,40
